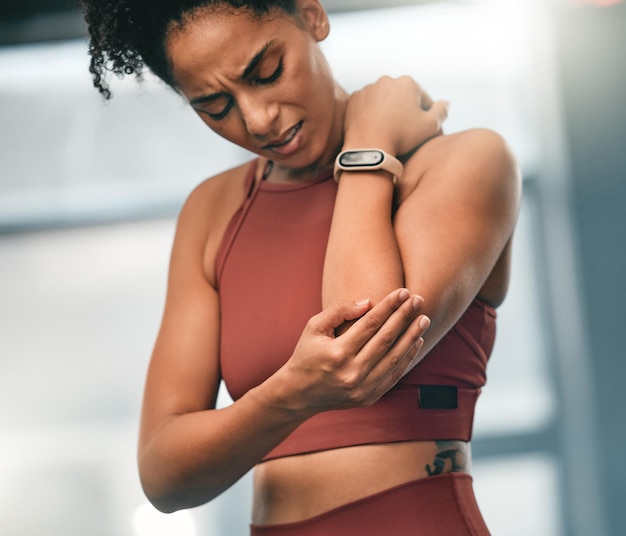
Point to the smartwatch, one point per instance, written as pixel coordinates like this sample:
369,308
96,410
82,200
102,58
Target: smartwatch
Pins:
367,160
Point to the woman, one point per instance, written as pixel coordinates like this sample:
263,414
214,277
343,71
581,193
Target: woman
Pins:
310,297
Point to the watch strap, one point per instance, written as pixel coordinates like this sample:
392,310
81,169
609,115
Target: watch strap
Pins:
387,163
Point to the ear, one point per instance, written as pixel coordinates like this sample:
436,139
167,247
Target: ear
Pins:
314,18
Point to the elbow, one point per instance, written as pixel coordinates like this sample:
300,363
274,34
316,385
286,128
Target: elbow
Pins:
166,492
169,491
160,495
163,506
168,498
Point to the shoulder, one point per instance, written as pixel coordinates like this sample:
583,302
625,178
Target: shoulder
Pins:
212,201
472,138
477,161
483,149
486,148
465,192
211,195
205,215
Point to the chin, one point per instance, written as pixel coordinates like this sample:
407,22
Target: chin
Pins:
300,161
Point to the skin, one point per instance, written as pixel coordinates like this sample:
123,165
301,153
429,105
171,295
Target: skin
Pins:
444,233
261,113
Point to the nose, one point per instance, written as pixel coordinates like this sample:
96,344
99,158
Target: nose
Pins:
259,114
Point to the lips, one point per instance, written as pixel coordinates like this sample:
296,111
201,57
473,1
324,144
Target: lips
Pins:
285,139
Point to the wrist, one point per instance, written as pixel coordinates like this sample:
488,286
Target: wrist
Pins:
277,396
364,199
368,160
377,185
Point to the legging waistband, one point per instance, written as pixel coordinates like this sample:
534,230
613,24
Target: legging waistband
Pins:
442,505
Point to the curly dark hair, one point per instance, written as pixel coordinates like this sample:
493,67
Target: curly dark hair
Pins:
128,35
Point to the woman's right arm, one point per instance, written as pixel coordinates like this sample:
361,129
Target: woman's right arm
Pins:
190,452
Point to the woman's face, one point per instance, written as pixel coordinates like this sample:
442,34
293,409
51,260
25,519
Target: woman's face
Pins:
262,83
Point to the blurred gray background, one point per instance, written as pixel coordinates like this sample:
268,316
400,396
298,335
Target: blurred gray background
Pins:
89,193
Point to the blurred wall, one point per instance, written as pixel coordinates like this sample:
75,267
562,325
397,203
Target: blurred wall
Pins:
79,305
591,42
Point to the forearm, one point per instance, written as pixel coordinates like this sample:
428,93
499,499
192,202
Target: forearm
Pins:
189,455
362,258
193,457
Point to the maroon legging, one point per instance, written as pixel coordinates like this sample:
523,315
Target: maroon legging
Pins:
441,505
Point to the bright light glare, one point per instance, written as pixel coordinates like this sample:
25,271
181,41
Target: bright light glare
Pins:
147,521
599,3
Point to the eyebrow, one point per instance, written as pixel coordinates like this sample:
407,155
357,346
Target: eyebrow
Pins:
252,65
256,60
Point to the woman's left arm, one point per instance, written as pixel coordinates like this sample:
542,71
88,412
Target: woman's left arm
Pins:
457,205
397,116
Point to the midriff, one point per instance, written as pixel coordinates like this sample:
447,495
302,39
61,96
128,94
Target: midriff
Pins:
298,487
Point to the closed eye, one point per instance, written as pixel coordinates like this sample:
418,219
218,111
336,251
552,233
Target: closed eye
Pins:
272,78
214,106
207,104
221,115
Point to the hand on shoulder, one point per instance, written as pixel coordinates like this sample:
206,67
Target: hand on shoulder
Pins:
393,114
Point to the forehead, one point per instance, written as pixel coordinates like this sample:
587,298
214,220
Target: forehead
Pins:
221,42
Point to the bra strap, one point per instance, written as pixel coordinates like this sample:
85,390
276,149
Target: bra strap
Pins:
251,187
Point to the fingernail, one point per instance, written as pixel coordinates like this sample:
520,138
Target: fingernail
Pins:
417,302
404,294
424,322
362,303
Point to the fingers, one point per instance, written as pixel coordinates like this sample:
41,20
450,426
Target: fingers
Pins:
425,101
344,311
400,358
396,339
357,367
427,117
384,323
387,341
439,110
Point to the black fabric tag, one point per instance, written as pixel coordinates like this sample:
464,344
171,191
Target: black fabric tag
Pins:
438,397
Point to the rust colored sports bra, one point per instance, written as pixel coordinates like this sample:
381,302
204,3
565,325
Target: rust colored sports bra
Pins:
269,270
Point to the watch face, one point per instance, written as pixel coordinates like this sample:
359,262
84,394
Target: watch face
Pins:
361,158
